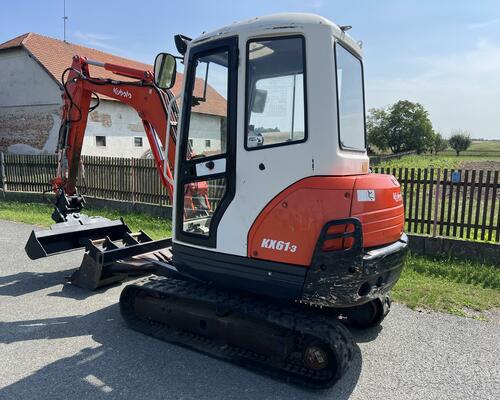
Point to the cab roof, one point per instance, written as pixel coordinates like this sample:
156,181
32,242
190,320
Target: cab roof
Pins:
282,21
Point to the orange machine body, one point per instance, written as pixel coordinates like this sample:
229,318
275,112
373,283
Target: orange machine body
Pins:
288,228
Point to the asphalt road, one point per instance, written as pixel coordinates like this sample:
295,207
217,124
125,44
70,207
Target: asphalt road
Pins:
60,342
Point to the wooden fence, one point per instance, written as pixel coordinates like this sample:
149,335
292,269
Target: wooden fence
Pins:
446,202
440,202
127,179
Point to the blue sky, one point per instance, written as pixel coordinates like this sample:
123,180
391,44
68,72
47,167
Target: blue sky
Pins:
444,54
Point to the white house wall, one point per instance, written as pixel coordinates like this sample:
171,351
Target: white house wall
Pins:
29,104
204,127
120,124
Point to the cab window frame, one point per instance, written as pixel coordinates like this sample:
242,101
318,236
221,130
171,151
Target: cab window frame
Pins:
346,148
247,91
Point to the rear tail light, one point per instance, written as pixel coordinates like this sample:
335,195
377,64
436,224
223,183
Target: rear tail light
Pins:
340,243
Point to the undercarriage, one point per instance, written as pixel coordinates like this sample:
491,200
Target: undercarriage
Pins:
276,339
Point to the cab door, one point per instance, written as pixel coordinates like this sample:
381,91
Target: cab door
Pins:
206,176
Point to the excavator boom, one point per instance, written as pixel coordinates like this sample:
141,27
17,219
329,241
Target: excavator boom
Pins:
99,235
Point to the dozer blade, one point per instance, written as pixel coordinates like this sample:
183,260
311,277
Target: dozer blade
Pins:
72,235
113,252
280,340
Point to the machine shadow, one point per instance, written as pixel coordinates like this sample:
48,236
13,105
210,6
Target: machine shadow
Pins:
131,365
26,282
366,335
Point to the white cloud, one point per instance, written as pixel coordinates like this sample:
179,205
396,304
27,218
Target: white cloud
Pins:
484,24
101,40
459,91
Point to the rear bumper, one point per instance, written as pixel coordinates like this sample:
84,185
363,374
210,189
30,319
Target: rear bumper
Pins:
346,278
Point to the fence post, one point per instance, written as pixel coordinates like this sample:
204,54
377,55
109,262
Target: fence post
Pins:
134,181
436,202
3,179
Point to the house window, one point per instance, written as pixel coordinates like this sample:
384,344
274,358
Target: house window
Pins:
207,143
100,141
138,142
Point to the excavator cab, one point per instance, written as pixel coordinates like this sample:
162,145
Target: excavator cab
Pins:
293,211
280,231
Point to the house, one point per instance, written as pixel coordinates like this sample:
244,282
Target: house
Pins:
31,66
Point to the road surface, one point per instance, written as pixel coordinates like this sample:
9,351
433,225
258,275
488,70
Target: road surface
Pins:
60,342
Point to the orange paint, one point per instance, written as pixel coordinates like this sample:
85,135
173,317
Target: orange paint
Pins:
289,234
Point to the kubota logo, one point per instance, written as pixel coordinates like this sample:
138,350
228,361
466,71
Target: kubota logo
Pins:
123,93
397,197
278,245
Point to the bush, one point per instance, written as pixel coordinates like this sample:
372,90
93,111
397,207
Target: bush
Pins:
439,143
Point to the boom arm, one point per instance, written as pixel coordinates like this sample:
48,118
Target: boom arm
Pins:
148,100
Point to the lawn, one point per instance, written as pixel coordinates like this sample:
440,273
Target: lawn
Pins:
456,287
478,151
440,284
39,214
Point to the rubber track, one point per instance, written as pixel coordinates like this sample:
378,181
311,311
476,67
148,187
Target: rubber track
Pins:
328,330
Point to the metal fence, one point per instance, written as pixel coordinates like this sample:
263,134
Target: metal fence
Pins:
455,203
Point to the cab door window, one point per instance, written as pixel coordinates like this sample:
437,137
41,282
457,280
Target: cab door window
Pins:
207,135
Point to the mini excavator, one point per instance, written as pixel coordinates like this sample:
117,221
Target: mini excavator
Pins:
281,234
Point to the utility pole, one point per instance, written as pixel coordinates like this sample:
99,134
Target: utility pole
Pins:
64,18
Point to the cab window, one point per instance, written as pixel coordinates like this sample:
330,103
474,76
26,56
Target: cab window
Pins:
276,109
350,100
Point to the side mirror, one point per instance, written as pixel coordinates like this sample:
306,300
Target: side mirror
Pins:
165,70
259,101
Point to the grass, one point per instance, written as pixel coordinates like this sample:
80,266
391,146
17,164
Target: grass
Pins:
434,284
478,151
39,214
448,286
433,161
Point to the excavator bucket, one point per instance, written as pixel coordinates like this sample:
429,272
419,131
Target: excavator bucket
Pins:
112,251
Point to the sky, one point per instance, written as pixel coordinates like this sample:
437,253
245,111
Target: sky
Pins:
444,54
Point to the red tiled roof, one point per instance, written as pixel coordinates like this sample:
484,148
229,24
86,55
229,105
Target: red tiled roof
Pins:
56,55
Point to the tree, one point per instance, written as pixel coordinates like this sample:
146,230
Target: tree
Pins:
460,141
376,128
401,127
439,143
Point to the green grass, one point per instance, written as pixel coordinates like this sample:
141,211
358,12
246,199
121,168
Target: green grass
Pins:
478,151
432,161
39,214
440,284
448,285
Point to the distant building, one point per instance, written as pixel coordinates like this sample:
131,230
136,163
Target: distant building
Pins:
31,66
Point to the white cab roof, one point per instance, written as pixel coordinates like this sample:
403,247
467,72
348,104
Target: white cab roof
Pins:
283,21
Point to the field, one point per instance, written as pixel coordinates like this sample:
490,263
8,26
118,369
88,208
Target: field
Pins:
480,155
461,288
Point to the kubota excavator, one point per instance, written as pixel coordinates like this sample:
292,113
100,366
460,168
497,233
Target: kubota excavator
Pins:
280,232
